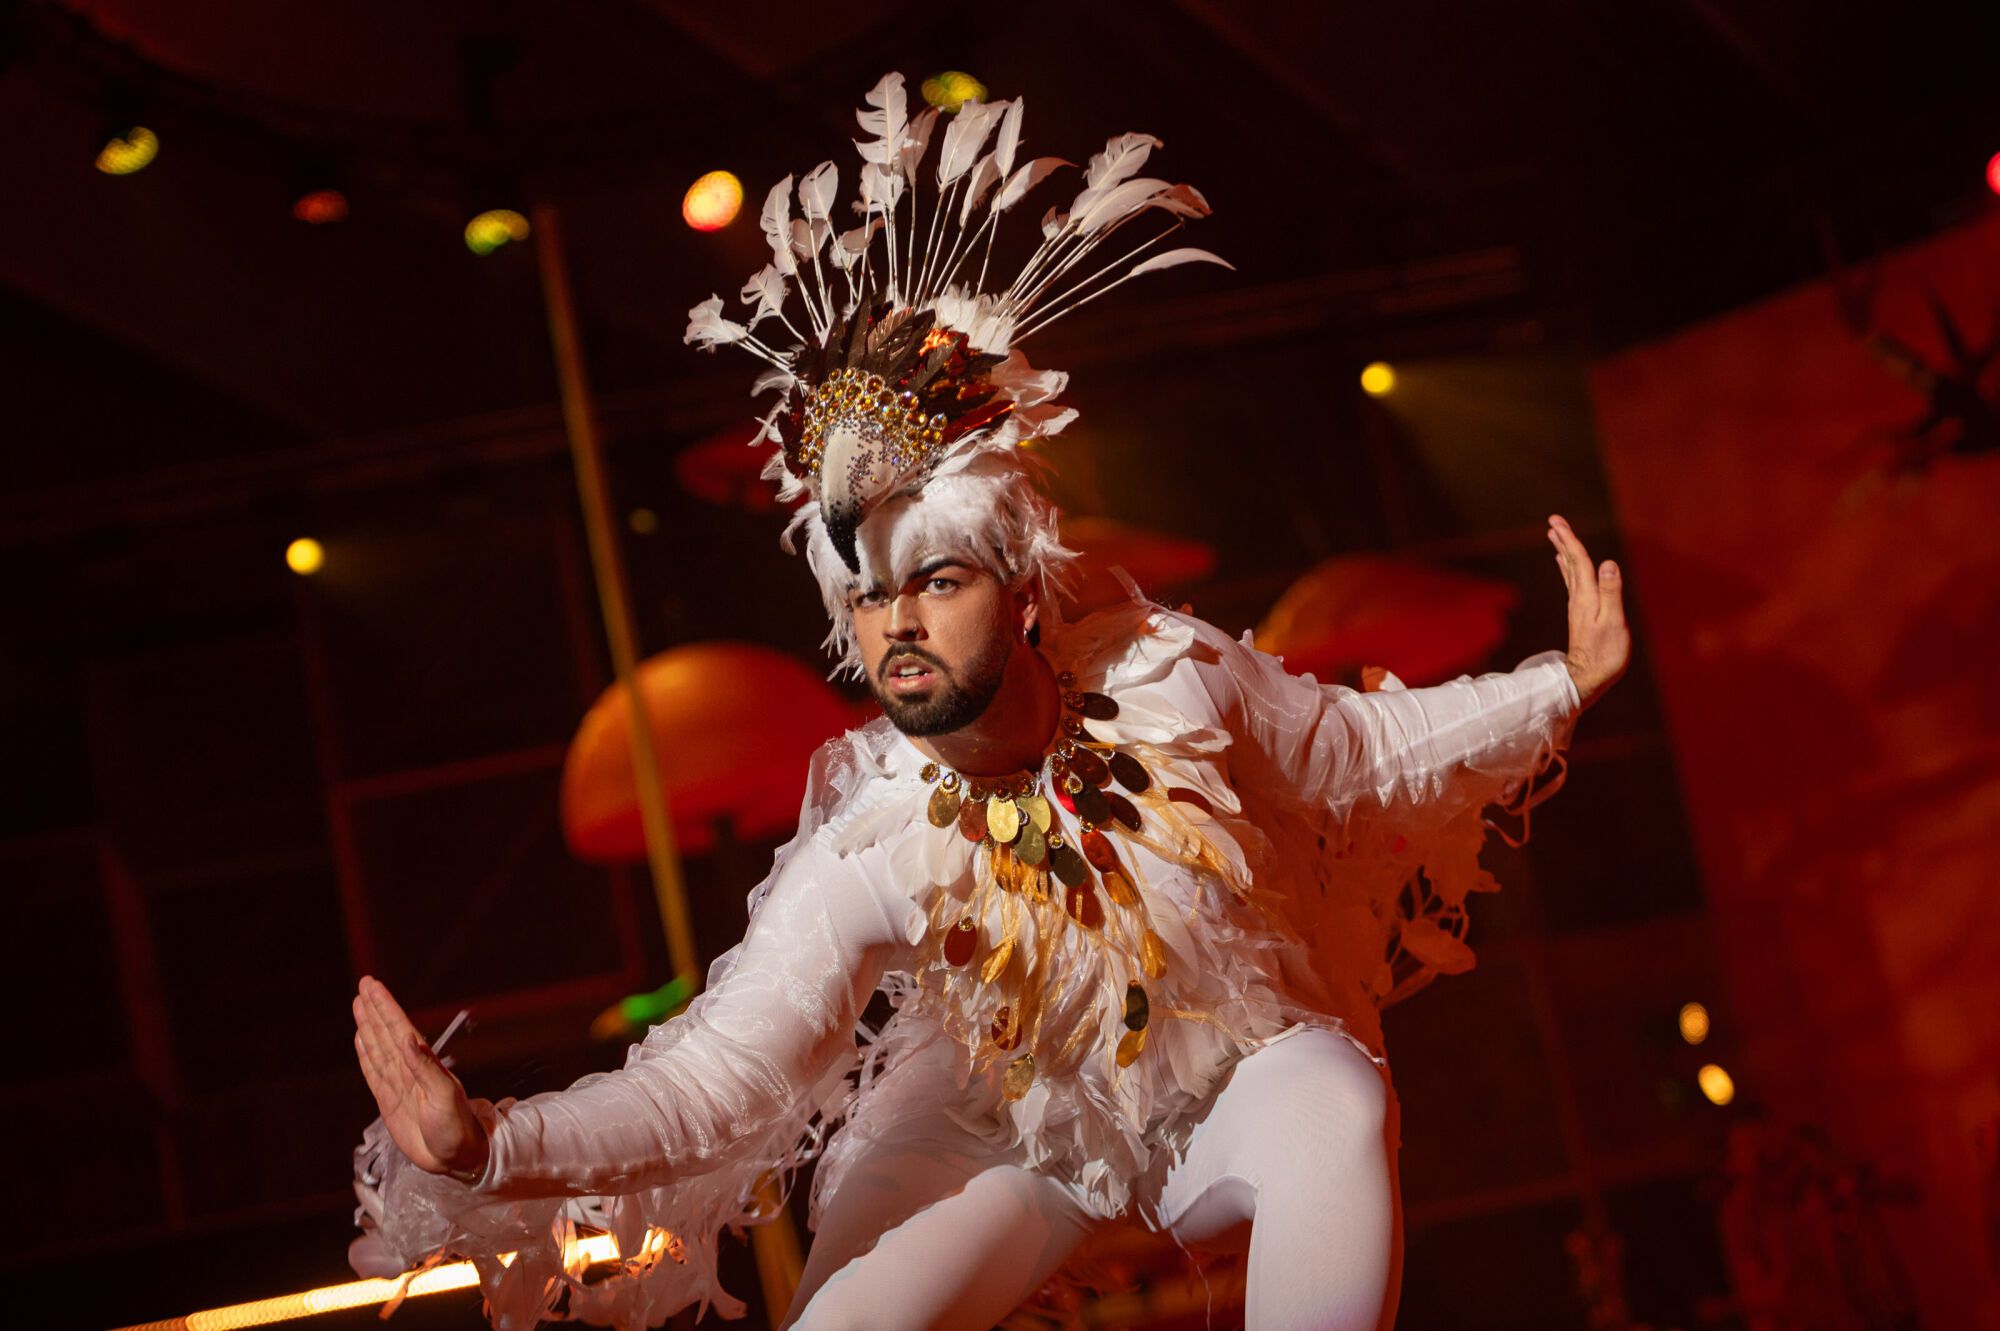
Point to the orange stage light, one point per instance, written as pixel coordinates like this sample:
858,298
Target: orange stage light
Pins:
366,1293
713,201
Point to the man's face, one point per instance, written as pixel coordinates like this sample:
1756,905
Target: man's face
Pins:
936,647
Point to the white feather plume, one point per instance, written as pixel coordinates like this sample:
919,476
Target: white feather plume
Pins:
888,121
937,229
816,191
776,222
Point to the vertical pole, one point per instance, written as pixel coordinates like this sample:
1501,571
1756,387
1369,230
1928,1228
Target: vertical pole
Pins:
613,593
776,1242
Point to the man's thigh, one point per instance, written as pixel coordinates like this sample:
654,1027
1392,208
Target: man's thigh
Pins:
928,1229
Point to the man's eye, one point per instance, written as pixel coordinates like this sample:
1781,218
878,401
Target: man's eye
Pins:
943,584
869,600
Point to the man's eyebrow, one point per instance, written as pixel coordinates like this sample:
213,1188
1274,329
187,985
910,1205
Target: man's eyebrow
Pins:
932,565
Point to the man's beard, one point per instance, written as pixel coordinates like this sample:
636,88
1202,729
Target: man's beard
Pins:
950,705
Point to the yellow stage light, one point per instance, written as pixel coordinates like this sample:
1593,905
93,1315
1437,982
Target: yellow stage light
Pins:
712,202
493,228
366,1293
305,556
127,151
1378,380
1717,1085
952,89
1694,1023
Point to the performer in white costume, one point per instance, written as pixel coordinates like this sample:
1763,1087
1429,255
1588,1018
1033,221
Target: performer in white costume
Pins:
1136,893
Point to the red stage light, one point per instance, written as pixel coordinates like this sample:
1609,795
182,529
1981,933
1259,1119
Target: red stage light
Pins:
320,206
1993,173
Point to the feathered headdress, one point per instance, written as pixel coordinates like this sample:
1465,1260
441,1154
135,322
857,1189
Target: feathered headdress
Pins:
907,362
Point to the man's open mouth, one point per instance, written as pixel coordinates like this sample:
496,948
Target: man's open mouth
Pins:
909,676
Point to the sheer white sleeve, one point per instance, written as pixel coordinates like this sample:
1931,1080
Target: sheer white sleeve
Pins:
1470,740
740,1061
674,1146
1394,787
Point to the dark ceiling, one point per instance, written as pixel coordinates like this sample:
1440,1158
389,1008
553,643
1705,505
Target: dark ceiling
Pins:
1634,166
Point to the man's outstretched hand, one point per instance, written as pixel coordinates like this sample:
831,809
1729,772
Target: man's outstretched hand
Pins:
422,1104
1600,646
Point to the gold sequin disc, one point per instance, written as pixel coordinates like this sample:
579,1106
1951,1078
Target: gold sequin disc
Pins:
1032,847
1130,1046
1021,1075
1003,818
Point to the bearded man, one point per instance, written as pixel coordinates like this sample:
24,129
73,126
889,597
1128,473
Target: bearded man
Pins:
1136,894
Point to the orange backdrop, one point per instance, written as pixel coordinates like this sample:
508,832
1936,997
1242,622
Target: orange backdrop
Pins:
1827,641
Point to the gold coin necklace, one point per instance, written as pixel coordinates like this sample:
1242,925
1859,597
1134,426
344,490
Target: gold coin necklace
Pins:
1018,827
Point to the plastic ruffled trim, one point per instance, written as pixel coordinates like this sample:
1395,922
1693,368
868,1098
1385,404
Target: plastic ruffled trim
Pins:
411,1219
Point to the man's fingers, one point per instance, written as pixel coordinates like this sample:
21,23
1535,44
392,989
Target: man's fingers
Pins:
384,1003
386,1095
404,1045
1577,572
397,1034
384,1071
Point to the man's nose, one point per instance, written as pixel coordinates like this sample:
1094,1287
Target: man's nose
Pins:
906,624
904,621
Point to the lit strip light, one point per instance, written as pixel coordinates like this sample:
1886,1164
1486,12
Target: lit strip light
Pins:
366,1293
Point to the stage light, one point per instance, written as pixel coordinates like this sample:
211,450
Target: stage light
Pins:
1716,1084
1694,1023
712,202
1993,173
321,206
130,149
643,521
494,228
952,89
305,556
366,1293
1378,380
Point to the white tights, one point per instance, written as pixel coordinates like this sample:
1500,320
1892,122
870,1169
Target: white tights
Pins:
1298,1148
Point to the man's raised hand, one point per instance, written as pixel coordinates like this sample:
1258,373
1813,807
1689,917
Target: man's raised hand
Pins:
423,1105
1600,646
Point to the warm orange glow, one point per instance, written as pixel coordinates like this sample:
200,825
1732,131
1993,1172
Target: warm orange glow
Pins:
320,207
712,202
366,1293
1378,380
1716,1084
1694,1023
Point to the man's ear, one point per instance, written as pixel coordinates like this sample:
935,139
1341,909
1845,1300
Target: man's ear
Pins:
1028,607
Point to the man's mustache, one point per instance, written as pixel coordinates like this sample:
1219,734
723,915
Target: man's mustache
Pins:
897,654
